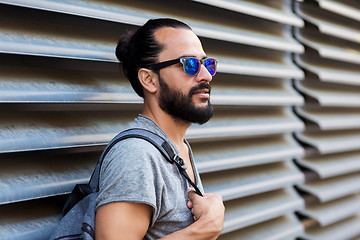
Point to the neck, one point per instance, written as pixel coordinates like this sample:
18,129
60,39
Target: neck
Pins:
174,128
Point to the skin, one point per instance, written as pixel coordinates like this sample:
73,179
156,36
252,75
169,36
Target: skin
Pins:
130,221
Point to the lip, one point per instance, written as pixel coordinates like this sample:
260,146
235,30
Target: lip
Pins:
202,93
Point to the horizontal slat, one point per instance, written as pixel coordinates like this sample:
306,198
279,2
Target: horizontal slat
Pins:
129,15
215,156
12,43
328,94
279,13
244,212
259,68
345,229
333,211
246,123
37,85
349,9
328,70
43,176
332,165
249,98
329,47
332,141
331,118
235,90
331,24
333,188
281,228
242,182
40,131
33,220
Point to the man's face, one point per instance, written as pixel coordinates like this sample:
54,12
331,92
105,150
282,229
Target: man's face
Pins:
181,106
183,97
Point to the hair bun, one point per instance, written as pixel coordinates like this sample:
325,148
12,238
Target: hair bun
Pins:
122,49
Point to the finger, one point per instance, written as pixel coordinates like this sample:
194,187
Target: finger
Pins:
189,204
194,215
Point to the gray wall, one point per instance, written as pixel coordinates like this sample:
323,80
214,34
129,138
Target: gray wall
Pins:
283,148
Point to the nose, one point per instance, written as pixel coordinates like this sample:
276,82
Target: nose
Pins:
204,75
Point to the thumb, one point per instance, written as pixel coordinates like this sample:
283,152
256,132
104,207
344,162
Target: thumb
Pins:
193,196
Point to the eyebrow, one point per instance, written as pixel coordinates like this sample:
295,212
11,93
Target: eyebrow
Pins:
192,56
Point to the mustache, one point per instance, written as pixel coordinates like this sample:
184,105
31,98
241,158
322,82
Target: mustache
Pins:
200,87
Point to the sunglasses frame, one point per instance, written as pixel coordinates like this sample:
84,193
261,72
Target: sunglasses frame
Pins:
182,60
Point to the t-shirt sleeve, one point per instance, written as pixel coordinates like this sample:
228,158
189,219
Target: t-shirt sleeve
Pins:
130,173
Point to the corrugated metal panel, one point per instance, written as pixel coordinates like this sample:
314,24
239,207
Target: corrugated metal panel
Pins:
62,99
32,178
251,123
333,211
259,208
331,113
347,9
275,11
281,228
333,188
330,94
332,165
223,155
332,141
237,183
137,12
346,229
330,23
330,48
18,85
127,14
331,118
254,92
28,220
41,131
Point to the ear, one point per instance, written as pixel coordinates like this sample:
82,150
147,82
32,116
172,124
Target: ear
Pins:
147,79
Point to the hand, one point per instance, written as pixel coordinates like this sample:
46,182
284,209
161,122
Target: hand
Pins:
208,210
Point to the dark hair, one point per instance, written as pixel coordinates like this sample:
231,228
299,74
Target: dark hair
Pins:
140,49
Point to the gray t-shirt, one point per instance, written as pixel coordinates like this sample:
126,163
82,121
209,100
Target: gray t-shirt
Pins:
135,171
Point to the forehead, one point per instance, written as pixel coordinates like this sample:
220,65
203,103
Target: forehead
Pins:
178,42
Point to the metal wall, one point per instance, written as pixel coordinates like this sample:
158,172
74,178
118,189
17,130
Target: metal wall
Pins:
283,148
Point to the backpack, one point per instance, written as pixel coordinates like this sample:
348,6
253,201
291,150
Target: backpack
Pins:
78,222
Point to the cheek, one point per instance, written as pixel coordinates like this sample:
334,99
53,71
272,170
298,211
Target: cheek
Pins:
177,80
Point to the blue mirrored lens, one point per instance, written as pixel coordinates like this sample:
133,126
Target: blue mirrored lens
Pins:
191,66
210,65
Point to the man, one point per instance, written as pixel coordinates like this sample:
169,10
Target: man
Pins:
142,196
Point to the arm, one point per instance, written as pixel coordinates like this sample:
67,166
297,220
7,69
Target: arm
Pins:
122,221
130,221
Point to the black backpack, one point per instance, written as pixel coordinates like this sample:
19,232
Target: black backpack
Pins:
78,220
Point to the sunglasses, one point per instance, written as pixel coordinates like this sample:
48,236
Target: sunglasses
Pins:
191,65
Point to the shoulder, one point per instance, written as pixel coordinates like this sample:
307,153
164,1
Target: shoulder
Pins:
132,152
133,146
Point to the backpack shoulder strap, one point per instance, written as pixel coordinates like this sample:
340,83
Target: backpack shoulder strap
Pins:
160,143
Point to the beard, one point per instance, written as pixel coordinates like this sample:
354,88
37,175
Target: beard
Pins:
181,107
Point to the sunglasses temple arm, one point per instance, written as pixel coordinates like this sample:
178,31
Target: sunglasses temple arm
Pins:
158,66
